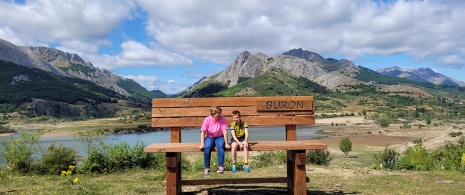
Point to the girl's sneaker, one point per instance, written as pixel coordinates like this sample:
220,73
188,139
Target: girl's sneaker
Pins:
206,173
246,169
233,169
220,169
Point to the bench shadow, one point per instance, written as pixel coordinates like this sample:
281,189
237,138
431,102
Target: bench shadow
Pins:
255,190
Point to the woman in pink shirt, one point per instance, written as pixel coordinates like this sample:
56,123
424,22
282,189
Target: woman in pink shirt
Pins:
214,133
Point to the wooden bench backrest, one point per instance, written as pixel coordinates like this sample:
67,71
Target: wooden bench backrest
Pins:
256,111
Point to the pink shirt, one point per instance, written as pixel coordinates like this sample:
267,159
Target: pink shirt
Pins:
214,128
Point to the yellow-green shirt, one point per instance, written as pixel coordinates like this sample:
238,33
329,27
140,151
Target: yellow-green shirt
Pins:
239,129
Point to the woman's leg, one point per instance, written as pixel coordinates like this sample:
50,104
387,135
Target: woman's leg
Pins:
208,145
219,142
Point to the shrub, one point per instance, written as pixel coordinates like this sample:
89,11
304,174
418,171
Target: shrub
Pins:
416,158
318,157
384,122
19,152
112,158
346,146
418,141
55,159
387,159
449,156
4,129
269,158
455,134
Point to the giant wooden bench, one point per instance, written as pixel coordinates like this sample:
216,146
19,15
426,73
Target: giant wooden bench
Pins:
288,111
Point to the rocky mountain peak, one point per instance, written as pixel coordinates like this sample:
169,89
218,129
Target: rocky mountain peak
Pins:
60,63
304,54
245,65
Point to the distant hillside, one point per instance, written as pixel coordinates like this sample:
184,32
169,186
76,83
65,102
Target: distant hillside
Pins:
424,75
72,65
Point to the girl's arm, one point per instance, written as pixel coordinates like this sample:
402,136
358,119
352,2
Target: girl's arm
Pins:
202,139
225,135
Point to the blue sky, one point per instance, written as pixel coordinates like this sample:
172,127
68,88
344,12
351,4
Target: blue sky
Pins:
169,45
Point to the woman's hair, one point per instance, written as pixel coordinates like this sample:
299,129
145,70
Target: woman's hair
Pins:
215,109
236,112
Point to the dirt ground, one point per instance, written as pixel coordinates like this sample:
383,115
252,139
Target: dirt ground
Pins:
365,133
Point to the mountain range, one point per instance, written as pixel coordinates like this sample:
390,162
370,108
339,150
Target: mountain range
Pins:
45,74
306,66
72,65
424,75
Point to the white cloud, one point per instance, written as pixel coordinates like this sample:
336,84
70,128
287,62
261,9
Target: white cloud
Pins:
137,54
182,32
207,29
154,83
452,61
150,82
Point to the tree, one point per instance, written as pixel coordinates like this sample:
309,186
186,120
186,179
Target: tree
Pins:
346,146
428,121
384,122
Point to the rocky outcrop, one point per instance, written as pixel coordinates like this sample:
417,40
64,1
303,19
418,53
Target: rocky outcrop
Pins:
308,65
245,65
54,109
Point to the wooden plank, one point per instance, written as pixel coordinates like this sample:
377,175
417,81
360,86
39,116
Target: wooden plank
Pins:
284,105
300,187
205,111
237,181
253,146
251,121
222,101
175,134
172,186
291,133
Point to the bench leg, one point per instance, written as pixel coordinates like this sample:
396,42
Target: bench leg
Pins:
296,162
173,172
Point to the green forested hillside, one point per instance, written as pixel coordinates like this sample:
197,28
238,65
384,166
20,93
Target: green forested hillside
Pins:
44,85
139,92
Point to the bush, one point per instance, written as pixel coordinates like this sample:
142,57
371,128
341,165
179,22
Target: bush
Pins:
265,159
56,159
455,134
318,157
346,146
4,129
418,141
384,123
449,157
19,152
416,158
112,158
386,159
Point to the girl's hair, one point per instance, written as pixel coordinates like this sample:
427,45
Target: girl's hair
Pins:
236,112
215,109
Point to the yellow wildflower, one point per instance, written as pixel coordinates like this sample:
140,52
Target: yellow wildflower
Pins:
75,180
72,167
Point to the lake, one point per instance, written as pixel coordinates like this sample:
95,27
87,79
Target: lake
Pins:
187,135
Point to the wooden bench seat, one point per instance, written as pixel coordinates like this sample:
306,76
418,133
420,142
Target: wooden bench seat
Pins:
253,146
286,111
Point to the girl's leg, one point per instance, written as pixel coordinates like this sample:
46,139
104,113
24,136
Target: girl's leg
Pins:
219,142
209,143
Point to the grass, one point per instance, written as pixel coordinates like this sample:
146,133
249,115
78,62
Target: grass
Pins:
340,178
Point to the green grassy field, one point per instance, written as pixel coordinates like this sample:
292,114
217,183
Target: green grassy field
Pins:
333,179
